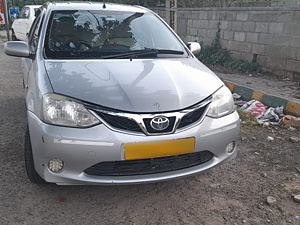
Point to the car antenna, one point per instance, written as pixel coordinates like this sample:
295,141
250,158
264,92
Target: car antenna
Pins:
104,6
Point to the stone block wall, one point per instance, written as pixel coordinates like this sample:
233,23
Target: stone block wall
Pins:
270,35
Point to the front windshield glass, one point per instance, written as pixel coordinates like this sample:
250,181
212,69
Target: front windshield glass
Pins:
109,34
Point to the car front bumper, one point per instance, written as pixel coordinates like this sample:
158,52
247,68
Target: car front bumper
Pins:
82,148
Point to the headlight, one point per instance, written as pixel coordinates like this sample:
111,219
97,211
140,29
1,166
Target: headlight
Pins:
222,103
63,111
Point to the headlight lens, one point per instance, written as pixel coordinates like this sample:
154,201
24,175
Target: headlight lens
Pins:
59,110
222,103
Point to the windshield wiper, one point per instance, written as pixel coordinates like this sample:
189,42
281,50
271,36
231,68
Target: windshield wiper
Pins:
146,51
131,54
168,51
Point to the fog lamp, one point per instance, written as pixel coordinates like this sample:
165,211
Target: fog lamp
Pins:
230,147
55,165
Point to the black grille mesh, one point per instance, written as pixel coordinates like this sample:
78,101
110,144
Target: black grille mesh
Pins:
191,117
120,122
149,165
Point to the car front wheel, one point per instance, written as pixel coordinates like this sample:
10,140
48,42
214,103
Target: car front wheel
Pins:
29,163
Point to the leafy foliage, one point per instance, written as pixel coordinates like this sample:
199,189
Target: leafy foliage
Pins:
214,54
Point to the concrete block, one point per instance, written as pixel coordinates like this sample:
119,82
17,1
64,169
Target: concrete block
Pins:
293,108
237,26
271,16
236,55
195,15
293,65
273,101
230,85
243,16
257,95
230,15
275,28
294,41
207,40
252,37
247,56
213,15
292,28
296,15
228,35
213,24
258,49
224,25
243,91
261,27
220,15
196,23
182,27
289,53
265,38
203,15
239,36
202,32
233,45
212,33
249,26
281,39
224,43
277,63
210,15
204,24
190,23
259,16
282,52
299,54
284,16
245,47
263,61
192,31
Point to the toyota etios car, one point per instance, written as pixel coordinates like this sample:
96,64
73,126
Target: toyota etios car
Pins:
115,97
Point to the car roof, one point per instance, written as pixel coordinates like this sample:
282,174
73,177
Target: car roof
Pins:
96,6
33,6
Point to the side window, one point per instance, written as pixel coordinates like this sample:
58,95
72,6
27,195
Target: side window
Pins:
34,33
21,16
27,13
24,14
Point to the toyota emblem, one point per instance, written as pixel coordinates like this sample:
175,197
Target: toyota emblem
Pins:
159,123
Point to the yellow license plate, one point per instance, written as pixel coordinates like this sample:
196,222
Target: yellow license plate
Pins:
149,149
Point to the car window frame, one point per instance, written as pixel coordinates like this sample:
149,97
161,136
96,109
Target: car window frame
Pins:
35,31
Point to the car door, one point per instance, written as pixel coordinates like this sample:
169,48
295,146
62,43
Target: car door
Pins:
20,27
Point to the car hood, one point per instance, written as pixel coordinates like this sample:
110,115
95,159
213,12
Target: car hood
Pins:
149,85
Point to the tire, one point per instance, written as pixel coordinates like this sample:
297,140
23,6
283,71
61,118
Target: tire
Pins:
13,36
29,163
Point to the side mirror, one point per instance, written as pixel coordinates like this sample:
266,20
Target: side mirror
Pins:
17,48
194,47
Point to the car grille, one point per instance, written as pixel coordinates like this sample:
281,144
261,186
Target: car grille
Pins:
141,122
192,117
119,122
149,165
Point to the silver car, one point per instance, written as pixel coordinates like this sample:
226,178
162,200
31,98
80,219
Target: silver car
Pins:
114,96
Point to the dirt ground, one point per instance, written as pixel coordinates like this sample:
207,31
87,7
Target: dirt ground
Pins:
233,193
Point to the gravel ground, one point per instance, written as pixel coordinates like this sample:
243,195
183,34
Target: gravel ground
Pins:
233,193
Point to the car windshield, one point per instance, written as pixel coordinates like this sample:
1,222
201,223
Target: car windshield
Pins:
109,34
